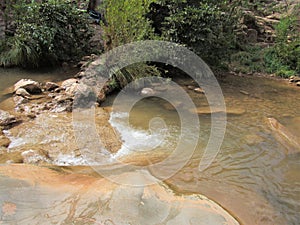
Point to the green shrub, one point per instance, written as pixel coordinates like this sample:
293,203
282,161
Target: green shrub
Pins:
248,61
46,33
284,57
206,27
126,22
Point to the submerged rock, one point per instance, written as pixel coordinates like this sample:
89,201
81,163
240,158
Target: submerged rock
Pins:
244,92
284,136
253,139
29,85
228,111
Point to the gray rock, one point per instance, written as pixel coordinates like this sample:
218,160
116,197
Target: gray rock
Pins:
29,85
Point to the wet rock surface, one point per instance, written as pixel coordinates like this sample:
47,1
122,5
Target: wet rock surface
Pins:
90,200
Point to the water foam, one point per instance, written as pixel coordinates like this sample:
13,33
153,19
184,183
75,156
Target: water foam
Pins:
136,140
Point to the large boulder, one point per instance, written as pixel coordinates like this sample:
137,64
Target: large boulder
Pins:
29,85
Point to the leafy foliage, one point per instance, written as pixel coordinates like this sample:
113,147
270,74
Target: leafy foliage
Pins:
126,23
46,33
204,26
284,57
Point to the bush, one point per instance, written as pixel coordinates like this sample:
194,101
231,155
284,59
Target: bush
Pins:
46,33
125,23
206,27
248,61
284,57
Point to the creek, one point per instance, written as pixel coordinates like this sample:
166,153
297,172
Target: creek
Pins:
253,176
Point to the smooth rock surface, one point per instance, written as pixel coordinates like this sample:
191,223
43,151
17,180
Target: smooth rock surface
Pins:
284,136
42,196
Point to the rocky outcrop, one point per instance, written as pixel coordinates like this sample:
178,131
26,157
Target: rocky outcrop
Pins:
52,97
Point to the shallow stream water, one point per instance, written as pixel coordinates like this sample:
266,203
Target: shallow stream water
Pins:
253,176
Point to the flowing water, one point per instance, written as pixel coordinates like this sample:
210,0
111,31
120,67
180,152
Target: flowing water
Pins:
254,177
